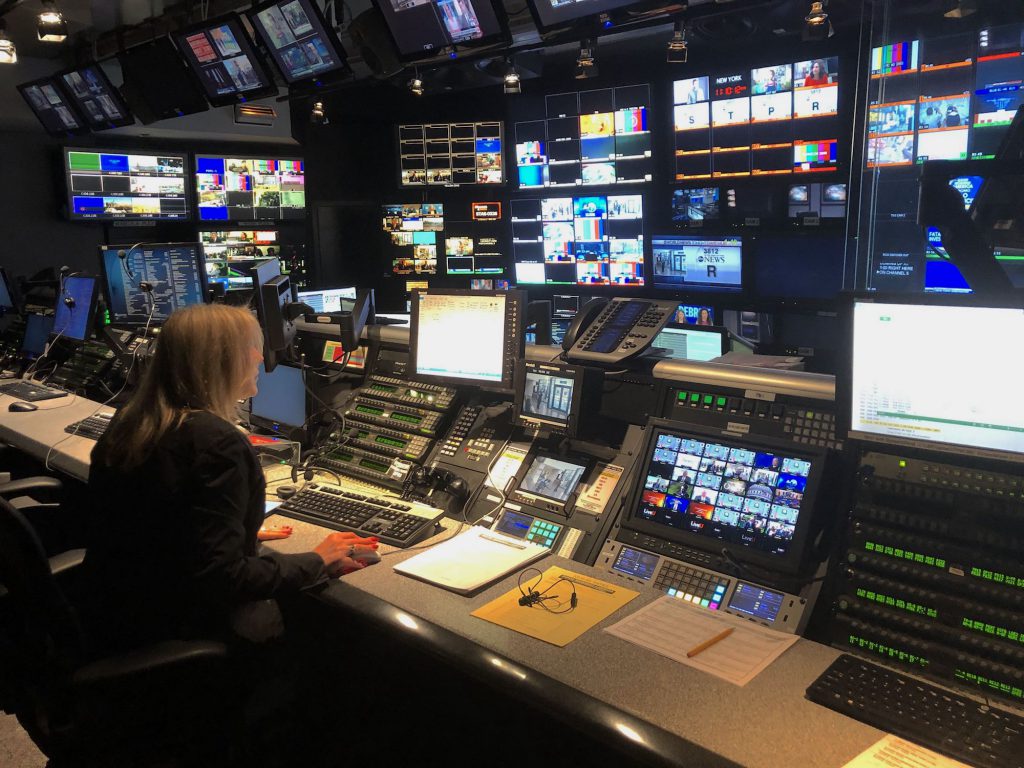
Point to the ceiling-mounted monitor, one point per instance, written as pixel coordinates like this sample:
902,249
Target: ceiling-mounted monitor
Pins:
558,14
98,101
222,57
52,107
423,28
299,39
157,84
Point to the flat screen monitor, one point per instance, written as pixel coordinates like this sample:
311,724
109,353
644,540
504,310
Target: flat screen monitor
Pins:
303,45
556,14
157,84
451,154
804,266
422,29
37,331
467,337
694,314
938,377
111,185
98,101
690,342
174,270
328,300
76,308
52,107
413,231
221,56
280,401
697,263
548,397
250,189
6,292
552,477
693,205
751,497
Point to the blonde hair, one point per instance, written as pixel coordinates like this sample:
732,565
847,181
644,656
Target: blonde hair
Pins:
201,363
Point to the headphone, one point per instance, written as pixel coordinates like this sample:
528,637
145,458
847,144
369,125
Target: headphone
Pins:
67,298
531,597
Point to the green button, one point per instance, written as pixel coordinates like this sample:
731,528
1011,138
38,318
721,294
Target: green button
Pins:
720,402
681,397
709,399
695,398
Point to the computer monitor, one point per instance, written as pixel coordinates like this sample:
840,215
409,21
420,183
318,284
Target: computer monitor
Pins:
6,292
76,308
423,29
697,263
37,331
112,185
302,43
751,497
689,342
272,292
937,376
279,404
328,299
175,271
98,101
548,396
460,337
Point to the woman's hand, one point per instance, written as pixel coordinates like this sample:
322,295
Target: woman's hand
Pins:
273,532
341,551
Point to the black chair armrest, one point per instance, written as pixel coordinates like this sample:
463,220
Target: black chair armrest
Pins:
49,485
66,561
162,659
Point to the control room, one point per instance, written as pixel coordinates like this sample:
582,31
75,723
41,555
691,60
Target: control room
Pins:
510,382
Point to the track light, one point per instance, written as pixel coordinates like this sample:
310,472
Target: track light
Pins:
51,25
512,83
586,65
8,53
415,85
317,115
959,9
818,26
677,52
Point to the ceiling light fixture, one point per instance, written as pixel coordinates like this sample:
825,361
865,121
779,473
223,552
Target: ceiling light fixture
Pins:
512,84
8,53
677,52
586,64
52,27
317,115
960,9
817,25
415,85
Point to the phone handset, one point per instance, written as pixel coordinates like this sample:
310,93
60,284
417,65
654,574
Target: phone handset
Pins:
584,317
617,330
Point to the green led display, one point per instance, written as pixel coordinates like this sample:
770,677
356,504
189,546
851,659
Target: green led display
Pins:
884,650
998,578
980,680
895,602
905,554
984,627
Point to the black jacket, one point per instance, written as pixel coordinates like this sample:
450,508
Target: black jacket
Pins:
172,546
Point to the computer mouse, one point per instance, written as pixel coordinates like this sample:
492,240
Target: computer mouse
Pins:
367,558
22,407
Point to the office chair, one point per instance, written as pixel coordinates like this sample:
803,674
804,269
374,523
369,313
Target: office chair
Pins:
164,704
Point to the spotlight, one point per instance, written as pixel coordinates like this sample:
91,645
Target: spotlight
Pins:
317,116
51,25
512,84
8,53
415,85
959,9
818,26
586,65
677,52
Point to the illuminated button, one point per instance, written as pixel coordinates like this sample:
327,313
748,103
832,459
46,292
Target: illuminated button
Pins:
720,589
695,398
708,400
705,603
720,402
672,593
713,606
681,397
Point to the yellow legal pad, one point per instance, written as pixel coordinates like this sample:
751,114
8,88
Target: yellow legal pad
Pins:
596,601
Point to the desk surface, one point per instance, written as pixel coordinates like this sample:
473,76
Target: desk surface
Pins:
767,723
41,434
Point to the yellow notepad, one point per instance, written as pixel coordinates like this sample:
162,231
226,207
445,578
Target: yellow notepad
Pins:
596,601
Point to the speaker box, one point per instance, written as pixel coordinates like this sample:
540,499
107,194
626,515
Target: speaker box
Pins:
370,35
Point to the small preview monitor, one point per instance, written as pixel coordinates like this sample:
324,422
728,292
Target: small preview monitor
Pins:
467,337
52,107
250,188
752,497
692,205
174,271
76,308
279,404
110,185
691,314
98,101
37,331
301,42
328,300
221,56
684,262
423,29
691,342
552,477
937,376
548,396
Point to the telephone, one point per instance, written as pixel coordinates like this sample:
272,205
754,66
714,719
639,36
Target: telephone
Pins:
610,332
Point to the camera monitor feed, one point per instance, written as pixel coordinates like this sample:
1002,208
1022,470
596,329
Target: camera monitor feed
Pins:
547,397
553,478
684,262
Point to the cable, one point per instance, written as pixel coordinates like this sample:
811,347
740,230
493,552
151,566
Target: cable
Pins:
531,598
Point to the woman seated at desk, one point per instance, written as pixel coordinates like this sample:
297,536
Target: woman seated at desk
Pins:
178,499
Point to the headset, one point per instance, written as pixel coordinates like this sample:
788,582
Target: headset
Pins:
438,479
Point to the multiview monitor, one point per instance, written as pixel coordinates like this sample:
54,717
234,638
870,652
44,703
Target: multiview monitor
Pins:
414,231
302,44
250,188
451,154
52,107
98,101
424,28
108,185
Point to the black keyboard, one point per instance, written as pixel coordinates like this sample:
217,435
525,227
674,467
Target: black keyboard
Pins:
30,392
395,522
945,722
93,427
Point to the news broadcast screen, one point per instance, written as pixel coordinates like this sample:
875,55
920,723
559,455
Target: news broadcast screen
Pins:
683,262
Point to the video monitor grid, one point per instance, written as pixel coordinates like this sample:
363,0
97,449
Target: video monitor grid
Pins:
451,154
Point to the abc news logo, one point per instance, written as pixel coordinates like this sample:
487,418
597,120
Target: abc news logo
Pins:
710,261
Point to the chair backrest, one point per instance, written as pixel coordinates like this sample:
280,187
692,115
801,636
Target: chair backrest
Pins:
46,630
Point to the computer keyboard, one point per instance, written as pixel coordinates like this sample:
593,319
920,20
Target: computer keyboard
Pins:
30,392
92,427
395,522
945,722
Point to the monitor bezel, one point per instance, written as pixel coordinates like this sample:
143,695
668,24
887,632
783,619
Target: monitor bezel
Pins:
90,318
329,34
213,224
503,36
270,89
793,560
514,301
115,94
105,286
574,372
71,106
28,354
185,164
721,331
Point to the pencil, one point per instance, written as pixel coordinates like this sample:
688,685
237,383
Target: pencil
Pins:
708,643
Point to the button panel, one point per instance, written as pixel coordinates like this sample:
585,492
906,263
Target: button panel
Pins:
704,589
